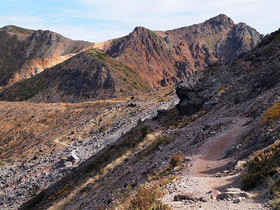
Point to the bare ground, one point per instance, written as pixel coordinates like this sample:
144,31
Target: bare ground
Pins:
201,177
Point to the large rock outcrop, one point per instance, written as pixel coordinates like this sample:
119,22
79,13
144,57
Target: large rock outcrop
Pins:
242,80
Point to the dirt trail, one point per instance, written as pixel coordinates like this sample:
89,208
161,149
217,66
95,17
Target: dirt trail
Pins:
201,178
211,160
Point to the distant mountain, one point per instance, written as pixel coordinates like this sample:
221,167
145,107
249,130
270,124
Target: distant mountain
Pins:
24,52
90,75
156,58
165,57
21,33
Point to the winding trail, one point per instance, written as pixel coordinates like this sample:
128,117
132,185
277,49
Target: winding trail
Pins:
211,160
202,175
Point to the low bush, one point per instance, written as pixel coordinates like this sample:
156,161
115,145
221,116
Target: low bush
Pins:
262,165
272,114
148,197
177,160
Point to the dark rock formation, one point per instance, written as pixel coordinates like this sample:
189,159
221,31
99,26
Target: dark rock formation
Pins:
242,80
194,91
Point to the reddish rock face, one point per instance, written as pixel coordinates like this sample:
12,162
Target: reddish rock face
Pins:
142,60
164,57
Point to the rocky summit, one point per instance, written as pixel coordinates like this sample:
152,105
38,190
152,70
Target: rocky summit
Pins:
168,56
181,119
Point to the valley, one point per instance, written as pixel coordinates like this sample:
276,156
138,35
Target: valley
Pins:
187,118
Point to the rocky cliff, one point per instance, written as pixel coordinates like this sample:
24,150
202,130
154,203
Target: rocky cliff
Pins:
251,75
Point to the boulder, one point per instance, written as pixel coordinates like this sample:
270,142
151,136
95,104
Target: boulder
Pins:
197,91
233,194
186,196
240,165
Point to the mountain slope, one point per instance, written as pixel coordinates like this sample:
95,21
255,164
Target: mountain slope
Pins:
221,122
90,75
21,33
165,57
26,52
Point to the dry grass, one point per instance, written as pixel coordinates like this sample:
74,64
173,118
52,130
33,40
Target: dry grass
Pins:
154,145
18,120
187,120
163,99
147,196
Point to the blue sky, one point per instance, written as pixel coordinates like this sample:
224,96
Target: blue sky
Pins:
101,20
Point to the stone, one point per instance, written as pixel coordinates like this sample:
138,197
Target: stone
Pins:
233,190
245,195
233,193
213,193
223,196
203,199
186,196
240,165
237,200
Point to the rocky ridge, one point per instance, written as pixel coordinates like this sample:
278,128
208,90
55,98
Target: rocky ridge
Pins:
157,58
169,56
90,75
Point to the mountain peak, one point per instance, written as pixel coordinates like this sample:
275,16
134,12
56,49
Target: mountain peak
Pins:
139,30
22,33
13,28
221,19
46,35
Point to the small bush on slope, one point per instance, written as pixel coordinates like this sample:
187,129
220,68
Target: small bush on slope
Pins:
147,197
177,160
272,114
262,165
